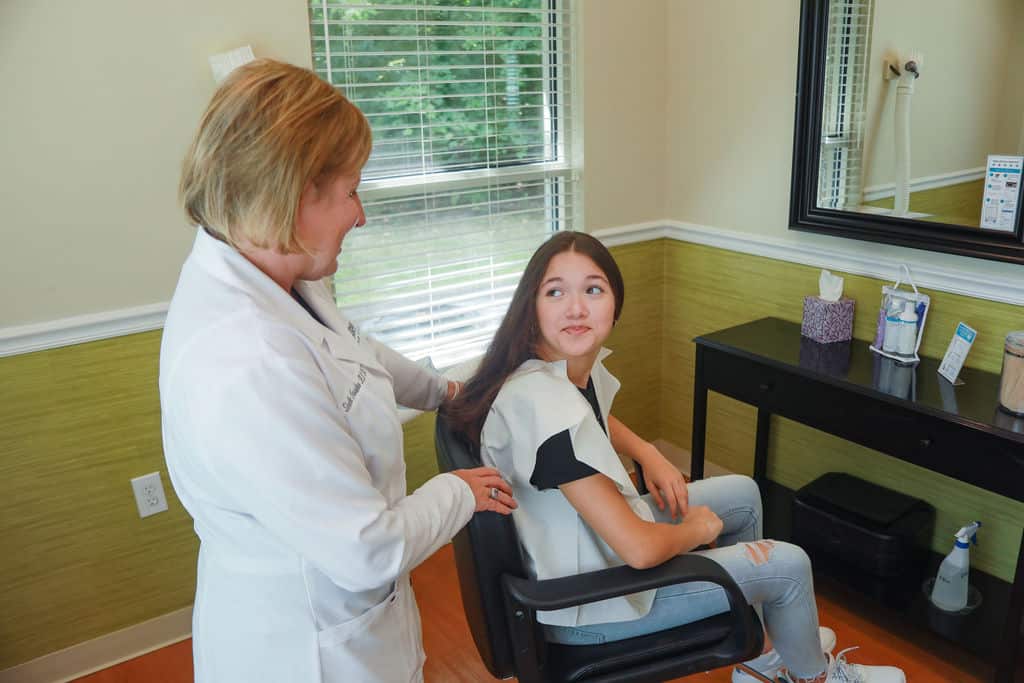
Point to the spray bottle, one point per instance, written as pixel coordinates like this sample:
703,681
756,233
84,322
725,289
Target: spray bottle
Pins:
950,590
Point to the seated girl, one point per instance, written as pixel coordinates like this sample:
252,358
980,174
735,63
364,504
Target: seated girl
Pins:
539,407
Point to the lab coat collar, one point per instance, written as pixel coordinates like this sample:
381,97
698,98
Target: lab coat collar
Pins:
341,335
225,263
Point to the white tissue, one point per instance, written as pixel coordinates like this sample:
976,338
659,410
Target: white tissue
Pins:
830,287
224,63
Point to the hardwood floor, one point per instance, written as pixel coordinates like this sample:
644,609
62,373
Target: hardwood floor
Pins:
452,658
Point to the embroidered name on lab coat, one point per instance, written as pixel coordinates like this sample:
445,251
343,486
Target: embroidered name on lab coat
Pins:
354,389
354,332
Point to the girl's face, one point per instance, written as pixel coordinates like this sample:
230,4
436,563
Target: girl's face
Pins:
575,308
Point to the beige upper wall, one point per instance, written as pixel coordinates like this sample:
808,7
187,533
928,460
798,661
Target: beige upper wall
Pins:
732,74
1010,126
732,81
688,113
100,101
625,100
962,95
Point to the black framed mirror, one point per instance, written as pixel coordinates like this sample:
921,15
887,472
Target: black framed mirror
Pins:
890,146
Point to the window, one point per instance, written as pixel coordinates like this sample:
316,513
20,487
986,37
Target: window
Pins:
842,129
470,102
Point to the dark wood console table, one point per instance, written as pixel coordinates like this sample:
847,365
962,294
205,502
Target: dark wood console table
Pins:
910,413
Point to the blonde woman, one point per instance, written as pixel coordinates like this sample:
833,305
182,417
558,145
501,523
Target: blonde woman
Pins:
279,421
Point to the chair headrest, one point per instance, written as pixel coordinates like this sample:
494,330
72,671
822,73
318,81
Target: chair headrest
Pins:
452,452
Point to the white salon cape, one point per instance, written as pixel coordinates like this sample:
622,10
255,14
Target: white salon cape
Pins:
283,443
537,402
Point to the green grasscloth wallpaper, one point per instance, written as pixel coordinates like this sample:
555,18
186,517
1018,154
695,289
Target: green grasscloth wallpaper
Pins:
76,560
77,423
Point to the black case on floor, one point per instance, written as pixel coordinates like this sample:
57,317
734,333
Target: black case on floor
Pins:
872,529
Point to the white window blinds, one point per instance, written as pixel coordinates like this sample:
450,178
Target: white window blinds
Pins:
470,103
846,78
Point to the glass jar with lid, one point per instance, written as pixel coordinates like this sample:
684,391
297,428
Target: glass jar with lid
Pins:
1011,385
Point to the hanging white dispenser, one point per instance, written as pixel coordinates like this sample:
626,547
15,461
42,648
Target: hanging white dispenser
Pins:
907,69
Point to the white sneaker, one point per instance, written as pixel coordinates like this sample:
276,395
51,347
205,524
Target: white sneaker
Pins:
769,664
841,671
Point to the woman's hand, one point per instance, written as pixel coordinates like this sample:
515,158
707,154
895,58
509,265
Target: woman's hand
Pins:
704,524
453,389
490,490
664,481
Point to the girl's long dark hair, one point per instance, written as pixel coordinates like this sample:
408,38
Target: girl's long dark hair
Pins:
516,339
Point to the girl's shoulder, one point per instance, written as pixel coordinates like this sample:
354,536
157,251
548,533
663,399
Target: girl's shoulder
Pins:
535,379
538,382
537,401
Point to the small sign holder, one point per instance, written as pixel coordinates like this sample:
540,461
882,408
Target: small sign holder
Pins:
1001,200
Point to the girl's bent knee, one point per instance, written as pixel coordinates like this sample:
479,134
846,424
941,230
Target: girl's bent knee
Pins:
742,490
759,552
748,489
794,556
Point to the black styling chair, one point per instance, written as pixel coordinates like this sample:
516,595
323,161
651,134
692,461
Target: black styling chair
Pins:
500,602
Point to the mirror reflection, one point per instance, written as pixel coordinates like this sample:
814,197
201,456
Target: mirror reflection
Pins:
923,110
895,378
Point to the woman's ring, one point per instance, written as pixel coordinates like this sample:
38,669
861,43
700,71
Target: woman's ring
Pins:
494,492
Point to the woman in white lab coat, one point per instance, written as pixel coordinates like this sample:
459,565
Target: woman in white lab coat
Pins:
279,419
539,409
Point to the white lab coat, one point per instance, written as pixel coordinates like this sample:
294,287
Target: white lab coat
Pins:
283,443
538,401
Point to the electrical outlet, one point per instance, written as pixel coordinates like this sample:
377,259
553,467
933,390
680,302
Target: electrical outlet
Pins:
149,494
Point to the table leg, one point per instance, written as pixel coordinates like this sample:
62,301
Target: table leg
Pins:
1006,655
764,423
700,417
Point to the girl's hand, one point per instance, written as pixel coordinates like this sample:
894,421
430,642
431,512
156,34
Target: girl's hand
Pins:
664,481
491,491
706,525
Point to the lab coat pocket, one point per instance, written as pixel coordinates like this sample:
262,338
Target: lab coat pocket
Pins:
382,644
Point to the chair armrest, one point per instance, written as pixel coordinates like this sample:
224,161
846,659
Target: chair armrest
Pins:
568,591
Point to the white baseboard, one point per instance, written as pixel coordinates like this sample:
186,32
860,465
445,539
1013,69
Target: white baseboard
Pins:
67,331
103,652
80,329
879,211
926,183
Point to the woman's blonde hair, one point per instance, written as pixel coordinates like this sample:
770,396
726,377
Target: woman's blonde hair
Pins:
270,130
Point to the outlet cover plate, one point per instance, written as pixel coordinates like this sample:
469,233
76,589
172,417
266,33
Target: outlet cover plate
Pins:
149,494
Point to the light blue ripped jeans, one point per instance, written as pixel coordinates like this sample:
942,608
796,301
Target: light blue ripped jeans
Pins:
773,575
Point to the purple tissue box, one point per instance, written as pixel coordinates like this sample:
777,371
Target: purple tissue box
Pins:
827,321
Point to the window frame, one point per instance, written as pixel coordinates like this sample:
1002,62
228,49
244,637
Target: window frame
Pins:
562,176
